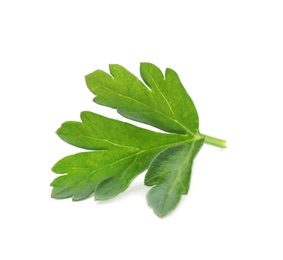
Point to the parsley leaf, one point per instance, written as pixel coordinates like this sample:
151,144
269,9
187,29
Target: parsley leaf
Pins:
124,151
163,103
119,151
170,172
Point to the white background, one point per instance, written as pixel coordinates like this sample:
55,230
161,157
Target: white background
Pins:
229,56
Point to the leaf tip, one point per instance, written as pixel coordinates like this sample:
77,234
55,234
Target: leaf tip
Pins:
53,168
87,77
53,193
84,115
146,64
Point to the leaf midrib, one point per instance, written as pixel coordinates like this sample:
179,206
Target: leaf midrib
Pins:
166,100
104,140
176,180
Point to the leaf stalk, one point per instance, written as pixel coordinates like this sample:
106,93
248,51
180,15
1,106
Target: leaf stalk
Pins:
214,141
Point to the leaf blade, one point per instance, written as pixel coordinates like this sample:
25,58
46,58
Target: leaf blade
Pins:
154,103
170,173
96,132
111,142
85,171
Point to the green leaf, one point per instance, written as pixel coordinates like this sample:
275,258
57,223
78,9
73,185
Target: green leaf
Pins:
119,151
170,174
163,102
86,173
125,151
97,132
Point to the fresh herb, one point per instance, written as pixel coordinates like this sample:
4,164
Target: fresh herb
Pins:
120,151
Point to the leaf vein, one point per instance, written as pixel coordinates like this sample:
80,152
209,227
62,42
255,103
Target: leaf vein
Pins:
144,104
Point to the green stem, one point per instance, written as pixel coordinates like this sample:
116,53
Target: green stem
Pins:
214,141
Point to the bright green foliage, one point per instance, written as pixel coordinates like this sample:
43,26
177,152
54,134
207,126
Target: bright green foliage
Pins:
124,151
120,151
170,172
163,103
